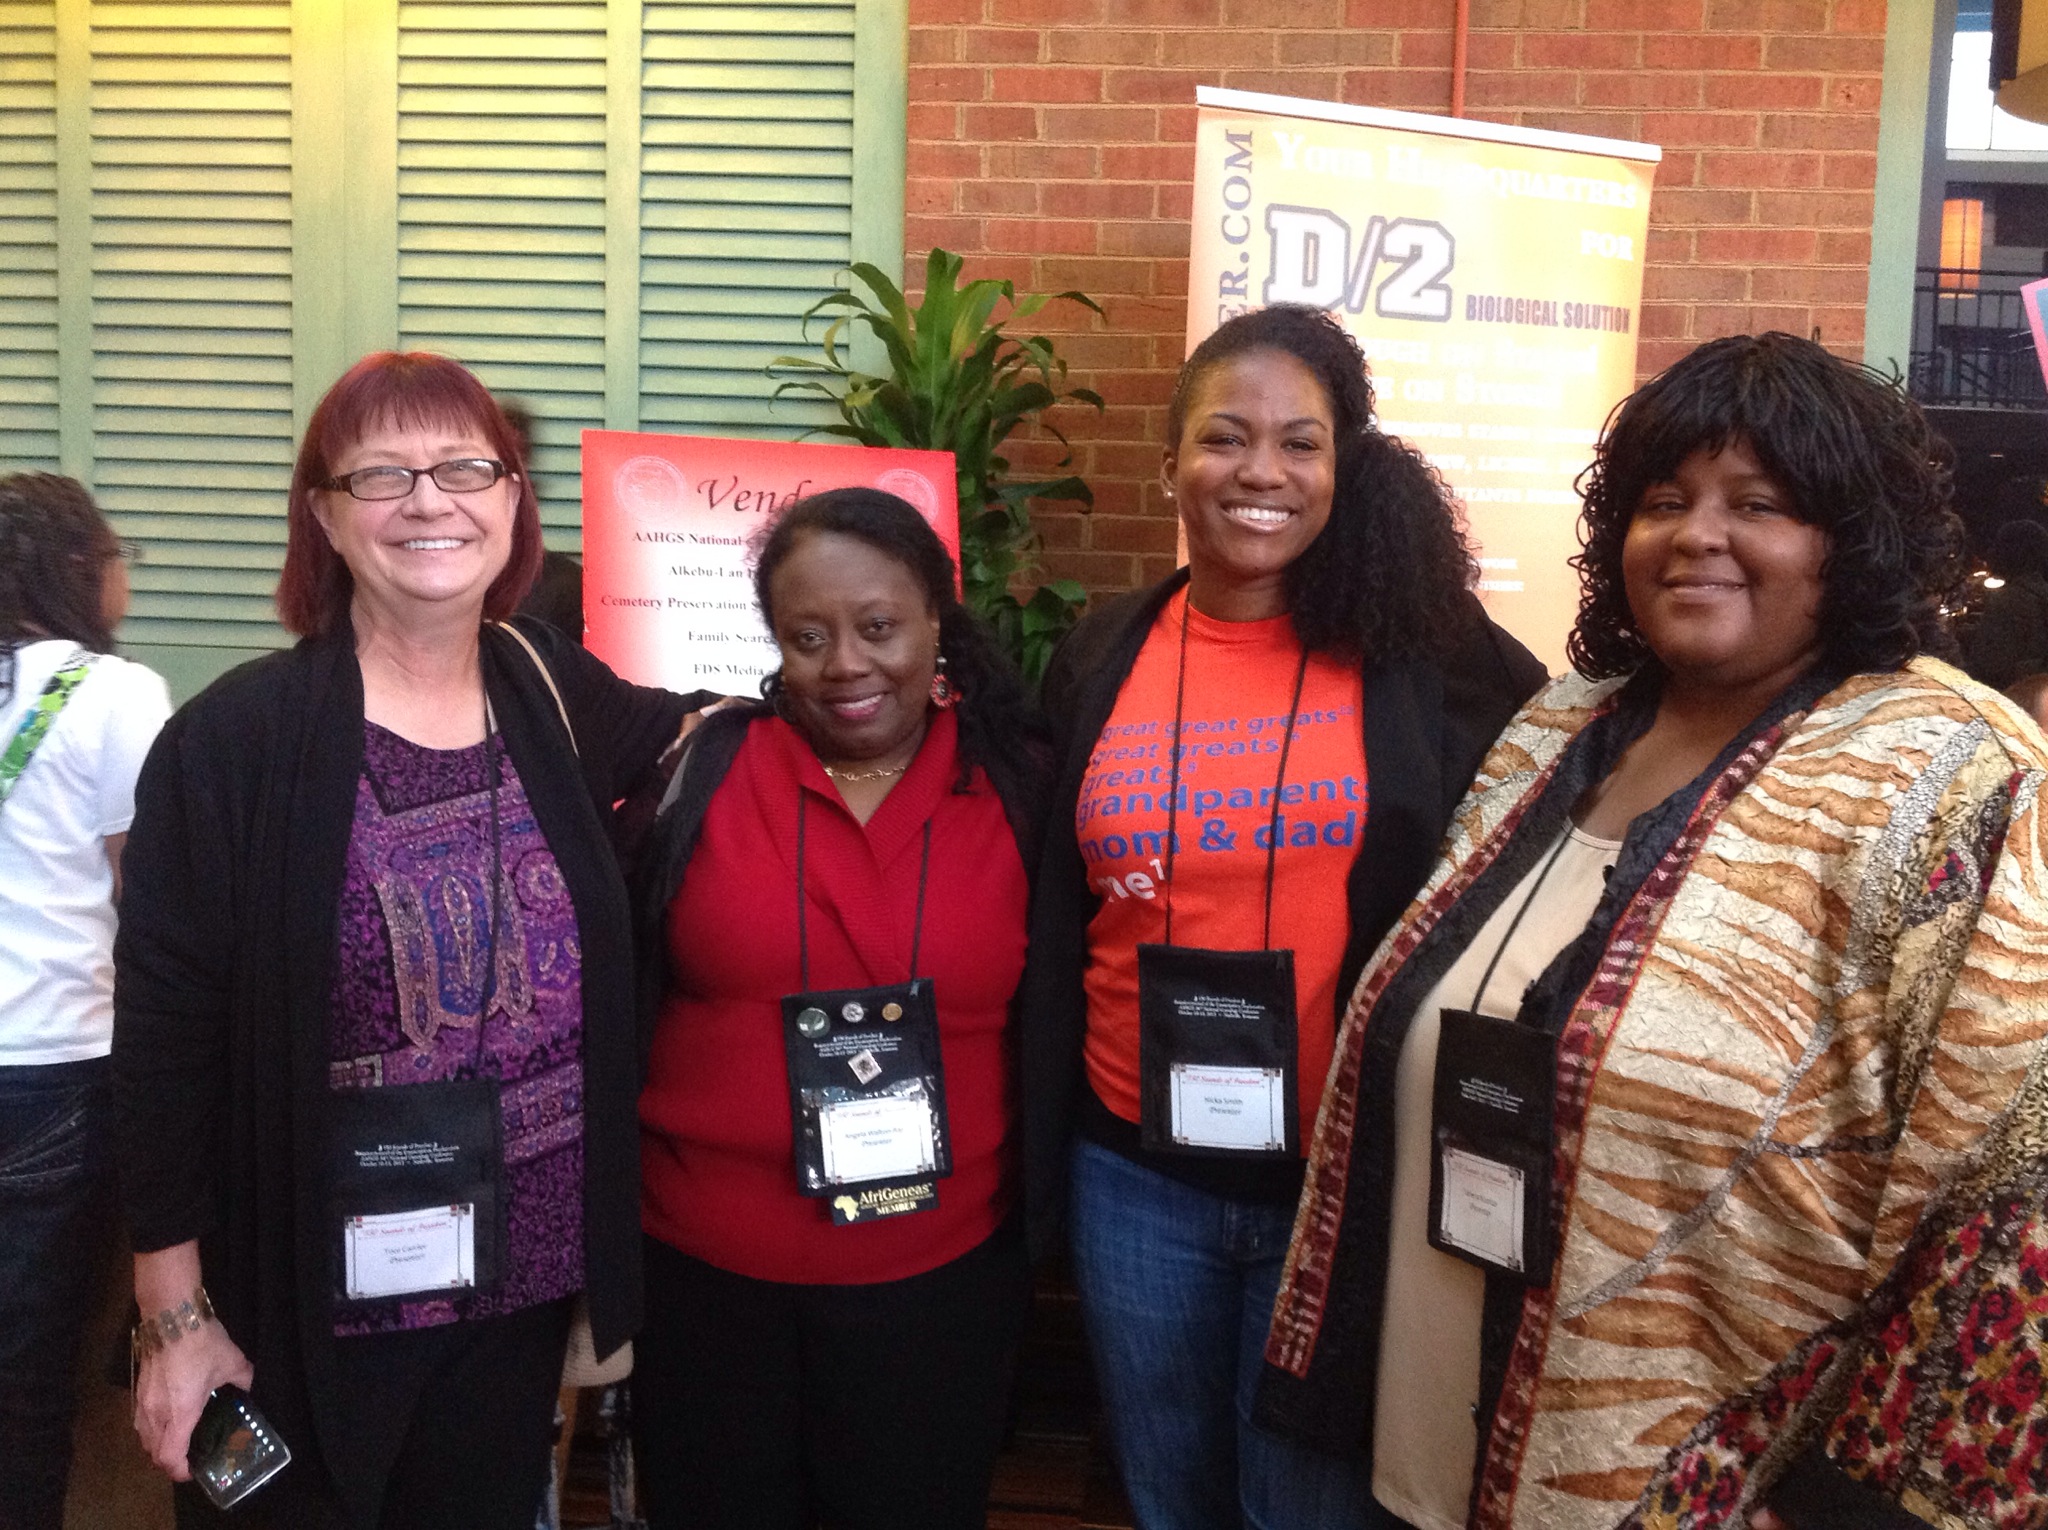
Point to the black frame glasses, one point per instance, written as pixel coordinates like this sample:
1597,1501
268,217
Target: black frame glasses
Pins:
390,481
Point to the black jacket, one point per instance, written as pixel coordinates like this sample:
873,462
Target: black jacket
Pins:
1427,726
224,969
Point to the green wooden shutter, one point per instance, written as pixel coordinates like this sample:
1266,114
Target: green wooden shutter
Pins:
501,210
190,277
28,237
746,202
615,210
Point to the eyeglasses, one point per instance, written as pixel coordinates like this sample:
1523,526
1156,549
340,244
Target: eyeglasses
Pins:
128,552
463,475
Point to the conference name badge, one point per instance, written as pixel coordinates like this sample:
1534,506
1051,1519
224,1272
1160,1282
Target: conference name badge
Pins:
1491,1144
867,1097
416,1185
1217,1052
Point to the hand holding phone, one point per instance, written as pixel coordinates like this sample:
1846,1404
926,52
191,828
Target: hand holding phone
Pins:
234,1450
173,1387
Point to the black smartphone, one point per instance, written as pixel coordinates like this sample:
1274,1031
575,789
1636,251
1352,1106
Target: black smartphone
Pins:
234,1451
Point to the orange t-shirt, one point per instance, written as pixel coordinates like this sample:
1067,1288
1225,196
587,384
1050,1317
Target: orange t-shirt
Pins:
1240,678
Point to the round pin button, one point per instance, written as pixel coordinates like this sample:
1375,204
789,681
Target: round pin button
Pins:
812,1022
892,1011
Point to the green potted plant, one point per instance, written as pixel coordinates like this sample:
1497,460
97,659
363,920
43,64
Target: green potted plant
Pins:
958,381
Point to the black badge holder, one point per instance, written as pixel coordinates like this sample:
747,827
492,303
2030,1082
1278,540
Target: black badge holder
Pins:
1491,1132
407,1160
233,1450
867,1084
1219,1072
407,1149
1218,1065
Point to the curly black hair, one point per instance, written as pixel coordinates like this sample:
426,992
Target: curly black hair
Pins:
1853,452
1388,576
996,716
54,547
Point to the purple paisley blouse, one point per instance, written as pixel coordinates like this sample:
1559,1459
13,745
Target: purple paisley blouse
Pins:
414,937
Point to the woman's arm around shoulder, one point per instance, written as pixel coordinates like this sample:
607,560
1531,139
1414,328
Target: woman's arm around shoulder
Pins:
626,727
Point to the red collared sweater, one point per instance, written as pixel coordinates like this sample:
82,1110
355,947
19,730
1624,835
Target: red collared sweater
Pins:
716,1159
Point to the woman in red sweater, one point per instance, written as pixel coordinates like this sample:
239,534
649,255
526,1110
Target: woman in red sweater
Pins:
834,931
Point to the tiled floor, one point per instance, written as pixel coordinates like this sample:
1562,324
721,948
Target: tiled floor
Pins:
1055,1474
1047,1483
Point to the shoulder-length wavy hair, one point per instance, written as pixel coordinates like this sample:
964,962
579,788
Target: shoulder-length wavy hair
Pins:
1854,453
54,547
1387,577
996,715
385,389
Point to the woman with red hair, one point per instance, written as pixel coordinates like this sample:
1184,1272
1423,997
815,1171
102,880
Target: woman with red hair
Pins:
374,1057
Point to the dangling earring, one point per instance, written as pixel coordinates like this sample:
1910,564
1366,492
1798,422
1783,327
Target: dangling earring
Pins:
942,690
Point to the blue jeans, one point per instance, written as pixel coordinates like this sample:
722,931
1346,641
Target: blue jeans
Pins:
54,1183
1177,1290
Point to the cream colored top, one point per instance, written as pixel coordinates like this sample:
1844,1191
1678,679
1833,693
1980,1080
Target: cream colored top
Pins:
1425,1438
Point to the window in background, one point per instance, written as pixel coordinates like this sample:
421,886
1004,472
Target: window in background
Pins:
1962,243
1975,124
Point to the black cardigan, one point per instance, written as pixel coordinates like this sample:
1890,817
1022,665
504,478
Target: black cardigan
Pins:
1427,727
224,969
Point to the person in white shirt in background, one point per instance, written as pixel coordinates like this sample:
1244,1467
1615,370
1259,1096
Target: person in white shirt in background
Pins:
75,723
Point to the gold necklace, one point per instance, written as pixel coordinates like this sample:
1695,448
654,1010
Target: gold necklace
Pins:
864,775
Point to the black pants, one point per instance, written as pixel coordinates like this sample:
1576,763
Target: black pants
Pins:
448,1428
762,1406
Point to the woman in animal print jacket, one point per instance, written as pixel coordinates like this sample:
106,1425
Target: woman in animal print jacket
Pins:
1763,892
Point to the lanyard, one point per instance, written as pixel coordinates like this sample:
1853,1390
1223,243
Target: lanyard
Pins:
803,937
40,717
1180,688
497,909
1515,923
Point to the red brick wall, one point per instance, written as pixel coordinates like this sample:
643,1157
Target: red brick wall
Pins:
1051,142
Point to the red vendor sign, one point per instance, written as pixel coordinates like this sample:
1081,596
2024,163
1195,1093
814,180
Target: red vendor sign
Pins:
668,597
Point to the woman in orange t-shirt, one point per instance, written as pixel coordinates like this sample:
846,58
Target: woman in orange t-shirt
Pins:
1259,758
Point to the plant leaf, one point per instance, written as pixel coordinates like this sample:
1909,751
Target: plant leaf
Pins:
957,381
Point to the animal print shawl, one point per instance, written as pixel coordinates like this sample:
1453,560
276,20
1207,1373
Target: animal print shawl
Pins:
1803,1138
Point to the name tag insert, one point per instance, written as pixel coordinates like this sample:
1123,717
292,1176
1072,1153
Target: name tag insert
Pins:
1482,1208
876,1139
1241,1108
399,1253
